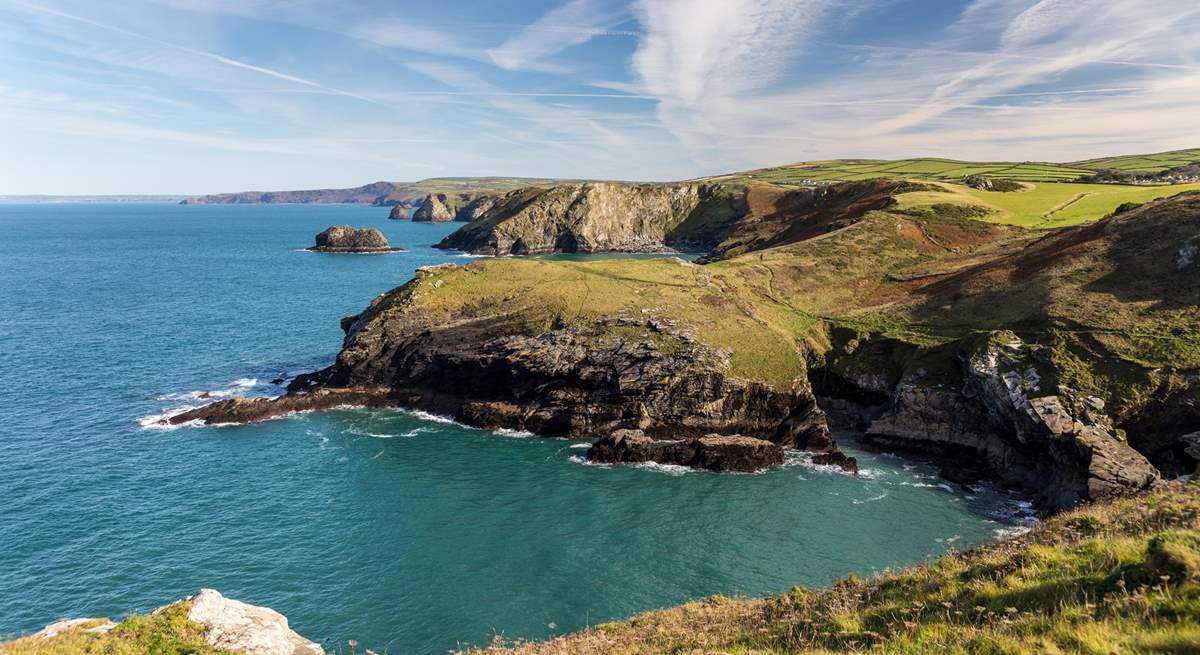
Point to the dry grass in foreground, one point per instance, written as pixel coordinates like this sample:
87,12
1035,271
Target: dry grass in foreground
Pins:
1117,577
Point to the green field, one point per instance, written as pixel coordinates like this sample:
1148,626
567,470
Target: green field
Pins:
849,170
1154,163
811,173
1045,205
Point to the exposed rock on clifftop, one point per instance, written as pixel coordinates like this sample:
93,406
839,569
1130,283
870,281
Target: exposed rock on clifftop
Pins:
441,207
204,624
347,239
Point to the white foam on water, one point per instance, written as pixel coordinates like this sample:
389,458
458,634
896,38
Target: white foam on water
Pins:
518,434
161,420
377,455
580,446
872,499
669,469
471,255
435,418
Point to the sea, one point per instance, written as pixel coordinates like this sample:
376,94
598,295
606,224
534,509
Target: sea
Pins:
403,531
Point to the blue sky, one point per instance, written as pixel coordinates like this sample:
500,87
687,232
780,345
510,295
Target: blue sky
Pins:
197,96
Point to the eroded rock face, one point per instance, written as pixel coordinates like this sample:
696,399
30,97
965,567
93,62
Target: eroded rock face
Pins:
713,452
441,207
347,239
1056,443
589,217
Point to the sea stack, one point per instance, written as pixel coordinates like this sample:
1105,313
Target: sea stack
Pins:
347,239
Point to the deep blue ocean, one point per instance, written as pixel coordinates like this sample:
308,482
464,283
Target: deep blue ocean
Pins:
402,532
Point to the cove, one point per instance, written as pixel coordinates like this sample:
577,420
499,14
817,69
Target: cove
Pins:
401,531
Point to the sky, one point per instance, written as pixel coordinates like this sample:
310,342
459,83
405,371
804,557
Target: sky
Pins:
203,96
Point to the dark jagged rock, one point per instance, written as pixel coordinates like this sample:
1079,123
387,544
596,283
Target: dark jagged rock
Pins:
347,239
712,452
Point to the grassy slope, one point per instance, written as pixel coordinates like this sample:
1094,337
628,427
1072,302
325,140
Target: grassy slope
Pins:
848,170
1045,205
1152,163
1117,577
168,632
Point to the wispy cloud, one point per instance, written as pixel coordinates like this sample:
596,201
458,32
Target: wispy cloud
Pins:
570,24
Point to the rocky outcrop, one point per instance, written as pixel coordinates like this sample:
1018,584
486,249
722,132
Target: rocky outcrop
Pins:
580,378
185,626
721,220
997,416
589,217
441,207
713,452
241,628
347,239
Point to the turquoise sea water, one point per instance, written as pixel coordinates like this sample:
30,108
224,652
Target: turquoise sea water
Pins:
399,531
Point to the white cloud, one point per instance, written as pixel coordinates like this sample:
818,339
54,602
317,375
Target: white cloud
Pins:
570,24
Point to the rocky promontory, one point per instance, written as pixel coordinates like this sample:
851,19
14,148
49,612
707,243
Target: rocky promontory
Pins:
1063,363
352,240
441,207
719,219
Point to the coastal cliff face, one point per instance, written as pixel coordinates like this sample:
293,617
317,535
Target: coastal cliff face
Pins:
1064,363
441,207
591,217
722,220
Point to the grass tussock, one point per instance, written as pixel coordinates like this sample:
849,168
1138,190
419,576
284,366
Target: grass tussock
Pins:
165,632
1117,577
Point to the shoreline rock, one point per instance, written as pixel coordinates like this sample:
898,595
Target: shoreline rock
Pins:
712,452
351,240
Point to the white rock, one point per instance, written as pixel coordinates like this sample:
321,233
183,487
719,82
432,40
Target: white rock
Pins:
242,628
55,629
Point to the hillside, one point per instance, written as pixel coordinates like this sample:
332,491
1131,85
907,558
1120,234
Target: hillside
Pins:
1117,577
378,193
952,170
1060,362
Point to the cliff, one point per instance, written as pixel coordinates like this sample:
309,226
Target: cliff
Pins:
1118,577
720,219
1064,363
590,217
439,207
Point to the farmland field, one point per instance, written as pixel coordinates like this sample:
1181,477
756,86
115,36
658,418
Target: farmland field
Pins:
1045,205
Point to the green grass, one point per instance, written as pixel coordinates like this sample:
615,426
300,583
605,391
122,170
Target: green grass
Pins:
1143,163
921,168
1045,205
166,632
1118,577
